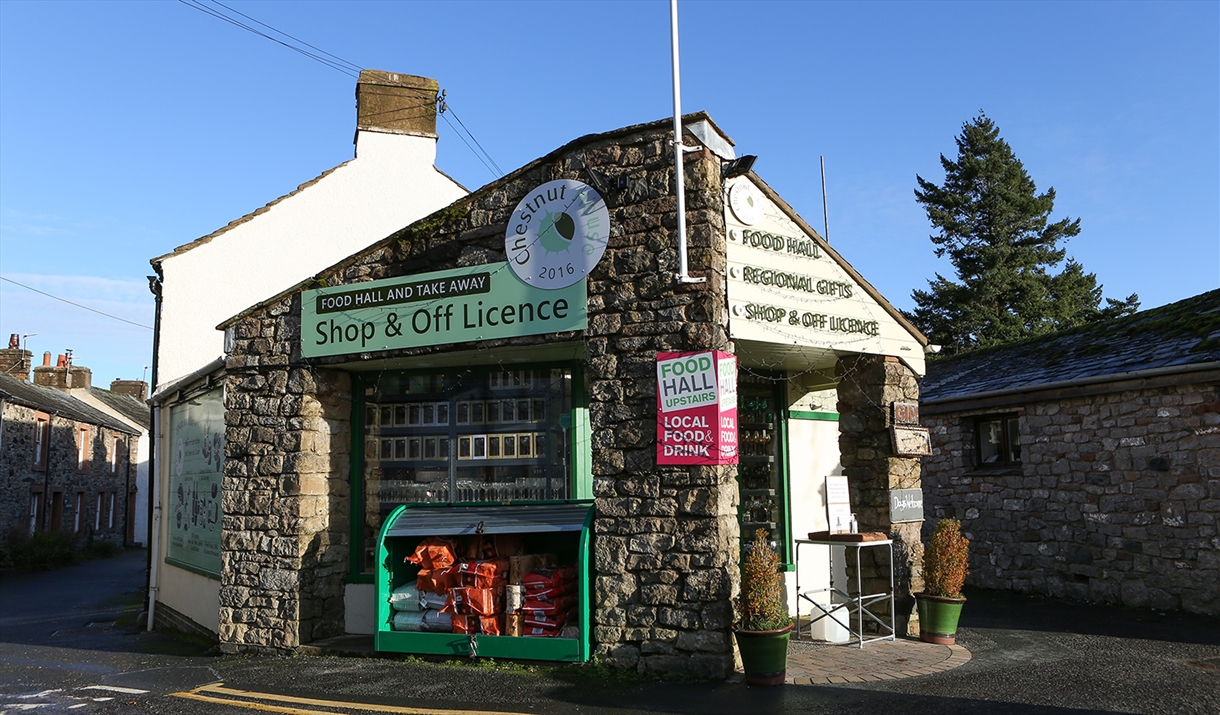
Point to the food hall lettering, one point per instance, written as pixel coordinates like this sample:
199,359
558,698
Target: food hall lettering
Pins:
795,281
687,383
781,244
403,292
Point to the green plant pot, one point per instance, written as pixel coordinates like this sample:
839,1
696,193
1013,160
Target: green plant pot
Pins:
938,618
764,655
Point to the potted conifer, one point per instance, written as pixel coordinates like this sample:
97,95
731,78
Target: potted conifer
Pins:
944,574
763,624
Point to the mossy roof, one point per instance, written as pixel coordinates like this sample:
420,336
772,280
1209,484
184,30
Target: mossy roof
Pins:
1179,334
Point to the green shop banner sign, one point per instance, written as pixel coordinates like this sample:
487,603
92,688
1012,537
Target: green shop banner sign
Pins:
457,306
196,433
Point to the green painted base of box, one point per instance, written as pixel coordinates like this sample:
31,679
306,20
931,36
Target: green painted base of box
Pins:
523,648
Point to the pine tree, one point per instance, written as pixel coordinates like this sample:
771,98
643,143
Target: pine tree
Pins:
996,230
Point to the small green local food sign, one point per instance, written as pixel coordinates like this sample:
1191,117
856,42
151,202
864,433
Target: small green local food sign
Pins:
455,306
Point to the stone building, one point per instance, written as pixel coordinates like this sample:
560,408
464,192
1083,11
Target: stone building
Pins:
533,315
64,464
1086,464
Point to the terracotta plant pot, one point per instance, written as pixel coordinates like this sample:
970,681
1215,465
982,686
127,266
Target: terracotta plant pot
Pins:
764,655
938,617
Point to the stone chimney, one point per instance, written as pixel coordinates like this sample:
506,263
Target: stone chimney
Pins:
62,376
14,361
135,388
396,103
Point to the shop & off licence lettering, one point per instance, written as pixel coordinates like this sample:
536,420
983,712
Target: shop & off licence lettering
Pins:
455,306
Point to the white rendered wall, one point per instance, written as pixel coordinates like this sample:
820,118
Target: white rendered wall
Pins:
813,454
390,184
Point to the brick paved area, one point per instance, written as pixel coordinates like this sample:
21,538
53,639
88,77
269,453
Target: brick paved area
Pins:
817,663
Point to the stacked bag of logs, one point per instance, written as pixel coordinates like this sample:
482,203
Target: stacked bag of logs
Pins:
487,586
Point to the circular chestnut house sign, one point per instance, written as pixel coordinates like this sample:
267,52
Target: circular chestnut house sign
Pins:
557,234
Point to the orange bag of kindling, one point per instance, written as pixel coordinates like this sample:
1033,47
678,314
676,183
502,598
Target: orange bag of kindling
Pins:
492,625
475,601
484,574
440,580
434,553
466,624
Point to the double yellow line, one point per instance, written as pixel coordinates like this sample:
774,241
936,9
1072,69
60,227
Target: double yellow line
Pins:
212,693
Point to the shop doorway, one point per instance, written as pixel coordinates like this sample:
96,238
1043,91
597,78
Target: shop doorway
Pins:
762,471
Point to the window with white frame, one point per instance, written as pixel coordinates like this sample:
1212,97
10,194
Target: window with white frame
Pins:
42,439
97,513
82,447
35,510
110,510
78,517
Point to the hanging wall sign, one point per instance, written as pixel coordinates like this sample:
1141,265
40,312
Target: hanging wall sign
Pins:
557,234
456,306
696,408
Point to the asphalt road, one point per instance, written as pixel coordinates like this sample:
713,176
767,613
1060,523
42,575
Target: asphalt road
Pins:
68,644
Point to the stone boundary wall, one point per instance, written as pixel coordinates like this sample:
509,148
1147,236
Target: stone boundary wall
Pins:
1116,500
666,538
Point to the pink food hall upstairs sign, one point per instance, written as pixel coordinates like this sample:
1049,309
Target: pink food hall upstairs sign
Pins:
696,408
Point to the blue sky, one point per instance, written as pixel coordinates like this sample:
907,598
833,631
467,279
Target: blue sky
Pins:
127,129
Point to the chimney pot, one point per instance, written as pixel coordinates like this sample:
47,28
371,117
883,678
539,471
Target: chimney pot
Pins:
62,361
15,362
46,359
396,103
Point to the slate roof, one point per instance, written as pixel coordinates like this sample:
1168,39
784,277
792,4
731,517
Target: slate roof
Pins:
1178,334
126,405
50,400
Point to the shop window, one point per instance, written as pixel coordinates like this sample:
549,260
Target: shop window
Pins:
498,437
998,441
42,440
82,447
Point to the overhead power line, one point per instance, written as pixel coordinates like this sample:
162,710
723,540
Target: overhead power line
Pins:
442,107
223,12
336,63
78,305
